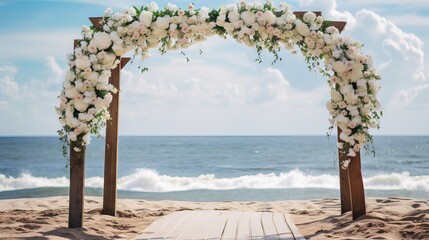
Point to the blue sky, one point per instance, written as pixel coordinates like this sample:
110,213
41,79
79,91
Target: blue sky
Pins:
223,91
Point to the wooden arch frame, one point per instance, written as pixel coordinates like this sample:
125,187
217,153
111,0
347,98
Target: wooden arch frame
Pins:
352,193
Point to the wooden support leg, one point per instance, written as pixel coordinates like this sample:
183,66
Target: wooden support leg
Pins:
77,183
111,152
344,181
356,187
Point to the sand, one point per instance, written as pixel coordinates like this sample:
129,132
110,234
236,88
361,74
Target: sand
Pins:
46,218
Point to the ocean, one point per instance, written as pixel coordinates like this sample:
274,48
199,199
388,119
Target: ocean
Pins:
216,168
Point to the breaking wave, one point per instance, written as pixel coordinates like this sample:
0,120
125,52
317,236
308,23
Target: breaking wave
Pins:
148,180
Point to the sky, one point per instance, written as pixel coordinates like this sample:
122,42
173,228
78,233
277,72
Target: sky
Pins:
221,91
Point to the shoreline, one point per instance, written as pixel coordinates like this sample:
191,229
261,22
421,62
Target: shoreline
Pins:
389,218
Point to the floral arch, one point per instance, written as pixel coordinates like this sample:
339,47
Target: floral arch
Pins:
87,92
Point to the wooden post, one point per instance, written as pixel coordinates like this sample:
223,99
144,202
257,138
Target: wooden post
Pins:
111,149
77,183
357,191
344,180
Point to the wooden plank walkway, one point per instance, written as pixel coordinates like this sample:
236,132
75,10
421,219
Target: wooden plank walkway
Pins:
225,225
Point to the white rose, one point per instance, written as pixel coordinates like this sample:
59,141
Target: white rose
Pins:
351,153
309,17
83,62
171,7
270,17
80,105
339,66
336,96
146,18
108,98
71,137
71,92
99,104
101,40
248,18
163,22
233,16
153,7
86,139
302,29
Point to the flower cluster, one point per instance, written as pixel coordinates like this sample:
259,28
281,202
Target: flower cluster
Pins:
87,92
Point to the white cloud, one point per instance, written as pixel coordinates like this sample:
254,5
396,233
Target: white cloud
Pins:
27,107
33,45
410,20
8,86
400,58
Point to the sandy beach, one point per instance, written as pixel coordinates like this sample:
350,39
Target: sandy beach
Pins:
46,218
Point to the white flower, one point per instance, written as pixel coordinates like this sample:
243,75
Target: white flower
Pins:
336,96
82,62
248,18
86,139
351,153
146,18
80,105
270,17
71,92
233,16
345,164
101,40
339,66
309,17
163,22
153,7
302,28
171,7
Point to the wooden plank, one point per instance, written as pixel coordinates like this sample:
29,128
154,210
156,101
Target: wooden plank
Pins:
256,230
356,187
199,226
161,223
218,226
230,231
346,204
243,226
204,226
300,14
77,180
183,225
77,184
160,228
282,227
124,61
96,23
295,232
268,225
111,149
340,25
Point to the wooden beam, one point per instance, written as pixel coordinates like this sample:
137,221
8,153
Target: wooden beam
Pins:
111,149
77,183
124,61
356,187
96,22
345,196
300,14
338,24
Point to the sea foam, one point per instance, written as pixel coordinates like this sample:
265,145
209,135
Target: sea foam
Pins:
149,180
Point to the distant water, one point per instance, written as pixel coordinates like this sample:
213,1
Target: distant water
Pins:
216,168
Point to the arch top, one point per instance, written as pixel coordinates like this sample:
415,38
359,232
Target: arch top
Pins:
96,21
86,93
